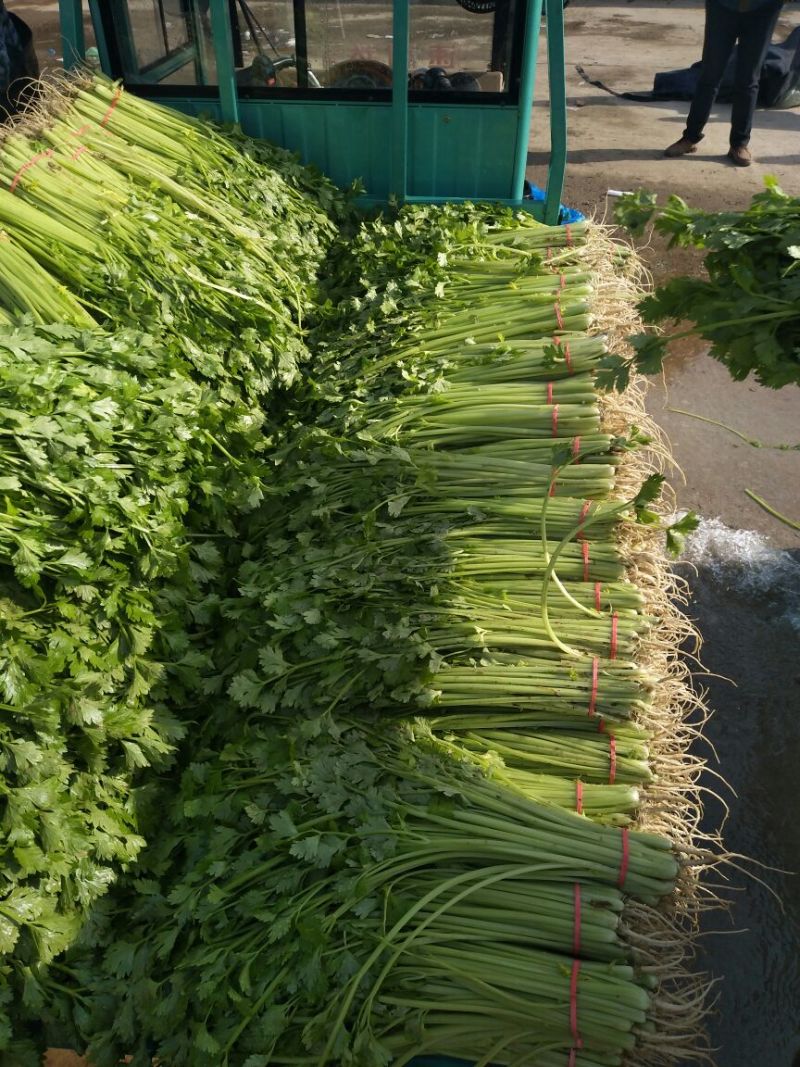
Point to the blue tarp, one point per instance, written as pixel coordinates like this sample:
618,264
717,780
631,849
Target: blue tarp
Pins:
565,214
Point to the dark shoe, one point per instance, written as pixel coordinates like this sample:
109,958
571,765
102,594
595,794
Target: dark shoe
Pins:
740,156
684,147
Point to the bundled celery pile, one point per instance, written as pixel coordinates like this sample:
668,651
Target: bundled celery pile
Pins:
387,612
124,214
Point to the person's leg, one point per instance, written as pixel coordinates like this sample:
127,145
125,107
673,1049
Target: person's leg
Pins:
755,34
720,37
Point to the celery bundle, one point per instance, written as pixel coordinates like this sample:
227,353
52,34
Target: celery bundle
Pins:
134,216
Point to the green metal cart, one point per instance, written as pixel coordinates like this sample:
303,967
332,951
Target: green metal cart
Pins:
317,76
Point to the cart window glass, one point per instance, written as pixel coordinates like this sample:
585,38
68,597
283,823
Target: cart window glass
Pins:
345,46
159,42
335,47
463,46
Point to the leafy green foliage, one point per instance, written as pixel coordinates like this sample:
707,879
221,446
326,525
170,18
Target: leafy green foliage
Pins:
635,210
116,488
614,373
747,307
678,531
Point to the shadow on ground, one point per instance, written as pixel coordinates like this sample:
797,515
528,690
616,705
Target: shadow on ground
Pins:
755,731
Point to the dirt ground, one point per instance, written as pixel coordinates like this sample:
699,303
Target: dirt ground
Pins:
618,144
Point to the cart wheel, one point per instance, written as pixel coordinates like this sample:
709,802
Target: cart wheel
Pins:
359,74
479,7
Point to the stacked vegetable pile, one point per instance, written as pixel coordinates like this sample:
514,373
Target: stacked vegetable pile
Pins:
124,220
419,779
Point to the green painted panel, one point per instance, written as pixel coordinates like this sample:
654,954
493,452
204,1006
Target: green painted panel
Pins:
453,152
461,151
345,140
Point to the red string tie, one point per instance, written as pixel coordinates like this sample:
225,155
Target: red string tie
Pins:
576,926
579,797
114,101
625,860
597,591
585,550
582,517
568,358
595,679
612,759
614,634
559,316
26,166
568,232
573,1005
576,447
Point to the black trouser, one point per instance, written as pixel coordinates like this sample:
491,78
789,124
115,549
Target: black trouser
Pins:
724,27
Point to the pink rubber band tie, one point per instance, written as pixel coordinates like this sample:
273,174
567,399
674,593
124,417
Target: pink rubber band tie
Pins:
582,517
595,680
27,166
625,860
114,101
577,1041
576,926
